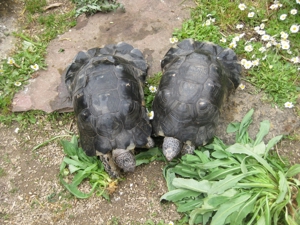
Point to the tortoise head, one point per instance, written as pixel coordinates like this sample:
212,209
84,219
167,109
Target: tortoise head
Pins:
171,147
124,159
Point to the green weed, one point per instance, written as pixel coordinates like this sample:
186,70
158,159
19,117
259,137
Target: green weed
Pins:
35,6
2,172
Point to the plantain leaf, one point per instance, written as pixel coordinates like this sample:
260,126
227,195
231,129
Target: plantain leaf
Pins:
233,127
283,187
228,208
263,131
293,170
193,185
272,142
189,205
260,149
229,182
179,194
221,173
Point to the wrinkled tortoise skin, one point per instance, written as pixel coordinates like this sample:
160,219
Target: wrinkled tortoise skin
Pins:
106,86
197,77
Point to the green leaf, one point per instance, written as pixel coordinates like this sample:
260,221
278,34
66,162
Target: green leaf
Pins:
221,173
293,170
228,208
191,184
260,149
189,205
179,194
272,142
229,182
246,121
73,168
263,131
246,209
283,187
241,149
233,127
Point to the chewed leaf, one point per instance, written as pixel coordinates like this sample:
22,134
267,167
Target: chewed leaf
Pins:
200,186
178,194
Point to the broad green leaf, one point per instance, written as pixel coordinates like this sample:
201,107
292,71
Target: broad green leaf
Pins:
245,209
220,154
283,187
206,217
79,177
229,182
216,200
188,158
197,211
241,149
203,157
228,208
216,163
75,163
267,212
190,184
263,131
73,168
246,121
185,171
189,205
221,173
260,149
243,166
169,176
292,171
233,127
68,147
262,220
272,143
179,194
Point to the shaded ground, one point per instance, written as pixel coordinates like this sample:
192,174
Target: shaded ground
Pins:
30,192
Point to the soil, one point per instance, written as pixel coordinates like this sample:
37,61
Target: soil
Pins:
30,191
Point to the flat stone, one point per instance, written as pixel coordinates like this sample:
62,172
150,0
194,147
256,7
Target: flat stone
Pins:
146,25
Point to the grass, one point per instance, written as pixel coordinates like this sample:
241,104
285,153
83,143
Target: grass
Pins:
270,61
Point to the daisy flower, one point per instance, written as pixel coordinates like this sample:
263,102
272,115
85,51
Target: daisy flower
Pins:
35,67
262,26
239,26
295,60
236,39
288,105
251,14
285,45
223,40
298,1
173,40
17,83
10,61
294,28
265,37
255,62
293,11
262,49
152,89
242,6
248,48
283,17
150,115
248,64
283,35
232,44
242,86
274,6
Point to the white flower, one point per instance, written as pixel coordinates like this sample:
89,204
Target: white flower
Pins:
268,45
283,17
243,61
261,32
232,44
17,130
248,64
10,61
288,105
17,83
35,67
242,6
263,58
236,39
255,62
265,37
150,115
271,67
239,26
208,22
283,35
170,223
257,28
285,44
241,35
251,14
298,1
274,6
173,40
262,26
294,28
248,48
223,40
262,49
293,11
152,89
242,86
295,60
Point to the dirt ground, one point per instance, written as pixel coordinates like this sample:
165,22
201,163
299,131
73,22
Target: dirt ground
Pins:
30,192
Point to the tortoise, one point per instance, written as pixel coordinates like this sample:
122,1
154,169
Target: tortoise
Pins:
106,87
197,78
